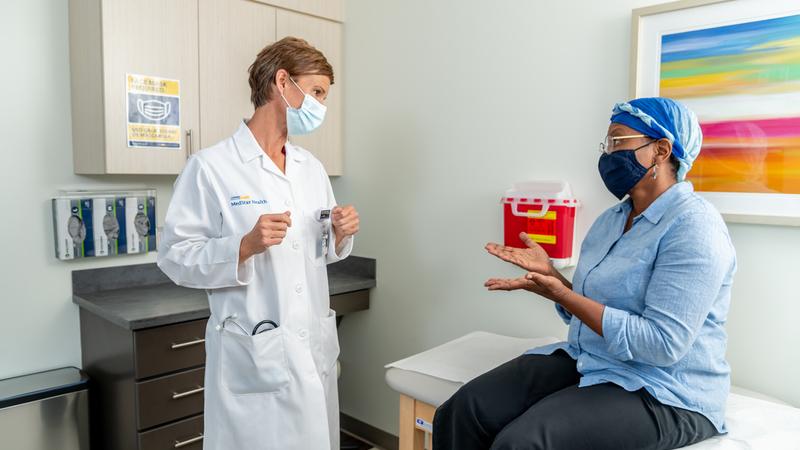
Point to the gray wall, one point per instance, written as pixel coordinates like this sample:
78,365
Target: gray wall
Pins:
448,103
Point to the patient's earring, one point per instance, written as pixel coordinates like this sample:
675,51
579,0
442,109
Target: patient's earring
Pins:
655,171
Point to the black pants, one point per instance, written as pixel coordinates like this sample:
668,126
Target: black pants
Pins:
533,402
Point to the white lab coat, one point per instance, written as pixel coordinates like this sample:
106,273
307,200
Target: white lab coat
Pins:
277,390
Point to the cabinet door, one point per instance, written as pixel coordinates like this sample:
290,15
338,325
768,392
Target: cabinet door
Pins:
329,9
232,32
326,142
153,38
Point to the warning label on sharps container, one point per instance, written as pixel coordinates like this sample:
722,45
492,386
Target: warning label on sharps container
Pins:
154,112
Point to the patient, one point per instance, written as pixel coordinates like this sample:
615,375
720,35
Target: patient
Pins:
644,363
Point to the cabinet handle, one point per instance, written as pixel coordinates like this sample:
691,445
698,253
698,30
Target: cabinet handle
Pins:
197,390
189,143
179,444
187,344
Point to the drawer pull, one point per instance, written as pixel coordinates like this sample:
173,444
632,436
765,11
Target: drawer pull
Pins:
187,344
197,390
179,444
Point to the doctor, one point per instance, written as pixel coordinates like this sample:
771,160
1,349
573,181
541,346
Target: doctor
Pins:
253,221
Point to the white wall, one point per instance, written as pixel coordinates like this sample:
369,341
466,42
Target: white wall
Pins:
448,103
40,323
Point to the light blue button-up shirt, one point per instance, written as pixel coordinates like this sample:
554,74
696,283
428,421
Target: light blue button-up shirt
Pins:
666,287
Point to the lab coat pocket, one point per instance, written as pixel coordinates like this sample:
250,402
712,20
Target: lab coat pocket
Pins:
254,364
329,344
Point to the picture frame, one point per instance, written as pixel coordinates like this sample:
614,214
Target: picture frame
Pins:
723,59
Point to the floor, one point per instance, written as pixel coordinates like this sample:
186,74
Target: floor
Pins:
350,443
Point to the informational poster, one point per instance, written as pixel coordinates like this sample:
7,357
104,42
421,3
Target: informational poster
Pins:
154,112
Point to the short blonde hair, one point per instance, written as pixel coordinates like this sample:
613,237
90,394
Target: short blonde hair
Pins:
292,54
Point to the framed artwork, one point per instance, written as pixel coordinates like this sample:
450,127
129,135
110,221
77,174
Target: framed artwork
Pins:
736,64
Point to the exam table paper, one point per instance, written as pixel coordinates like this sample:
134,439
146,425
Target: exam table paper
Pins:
469,356
755,424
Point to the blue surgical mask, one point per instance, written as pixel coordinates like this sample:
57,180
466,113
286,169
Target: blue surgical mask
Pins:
621,170
305,119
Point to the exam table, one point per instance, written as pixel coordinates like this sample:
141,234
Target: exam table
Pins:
428,379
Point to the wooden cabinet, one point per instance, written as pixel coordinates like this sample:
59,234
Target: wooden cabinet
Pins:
146,385
110,39
326,9
326,142
186,434
232,32
143,347
208,45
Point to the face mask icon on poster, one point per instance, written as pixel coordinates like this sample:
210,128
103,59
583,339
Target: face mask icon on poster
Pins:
153,109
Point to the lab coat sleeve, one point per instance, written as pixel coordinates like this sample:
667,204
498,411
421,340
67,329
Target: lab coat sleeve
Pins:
347,246
192,252
694,260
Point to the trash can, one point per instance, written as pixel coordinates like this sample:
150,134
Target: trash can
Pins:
45,411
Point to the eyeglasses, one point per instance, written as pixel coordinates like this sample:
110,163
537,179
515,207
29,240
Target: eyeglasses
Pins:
610,143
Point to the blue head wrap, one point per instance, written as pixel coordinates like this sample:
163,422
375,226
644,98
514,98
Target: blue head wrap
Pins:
659,117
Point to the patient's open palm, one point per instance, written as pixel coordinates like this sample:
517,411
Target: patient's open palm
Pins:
531,259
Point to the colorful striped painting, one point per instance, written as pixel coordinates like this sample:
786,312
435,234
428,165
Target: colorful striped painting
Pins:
743,81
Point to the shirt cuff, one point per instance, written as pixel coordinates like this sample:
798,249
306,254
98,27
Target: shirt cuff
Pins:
246,270
615,323
347,248
565,315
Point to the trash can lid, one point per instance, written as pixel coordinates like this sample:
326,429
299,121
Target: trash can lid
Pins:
36,386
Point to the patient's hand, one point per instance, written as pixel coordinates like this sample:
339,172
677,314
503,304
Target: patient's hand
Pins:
547,286
531,259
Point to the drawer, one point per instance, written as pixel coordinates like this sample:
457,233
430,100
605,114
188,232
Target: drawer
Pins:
170,397
169,348
186,434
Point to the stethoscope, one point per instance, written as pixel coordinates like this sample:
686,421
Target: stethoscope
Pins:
256,329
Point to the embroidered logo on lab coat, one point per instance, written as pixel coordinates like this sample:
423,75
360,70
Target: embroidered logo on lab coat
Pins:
242,200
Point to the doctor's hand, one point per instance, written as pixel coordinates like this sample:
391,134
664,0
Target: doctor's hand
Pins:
345,221
269,230
547,286
531,259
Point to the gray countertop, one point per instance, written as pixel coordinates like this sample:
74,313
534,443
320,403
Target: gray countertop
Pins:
140,296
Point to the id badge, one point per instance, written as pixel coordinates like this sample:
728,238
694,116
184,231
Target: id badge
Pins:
324,241
324,217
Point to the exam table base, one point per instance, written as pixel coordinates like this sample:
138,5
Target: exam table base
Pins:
414,436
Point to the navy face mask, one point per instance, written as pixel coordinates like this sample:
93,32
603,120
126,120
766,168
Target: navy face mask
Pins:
621,170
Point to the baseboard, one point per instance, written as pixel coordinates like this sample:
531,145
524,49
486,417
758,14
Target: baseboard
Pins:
368,433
